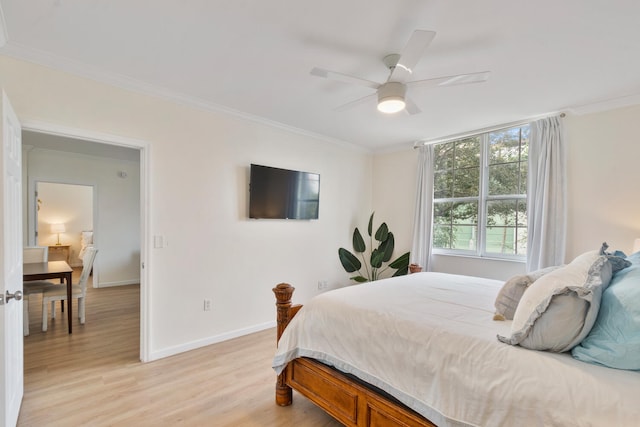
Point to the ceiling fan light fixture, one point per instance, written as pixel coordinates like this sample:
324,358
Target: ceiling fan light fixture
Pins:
391,97
391,105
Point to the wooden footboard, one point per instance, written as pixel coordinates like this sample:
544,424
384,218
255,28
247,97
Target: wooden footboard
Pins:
348,400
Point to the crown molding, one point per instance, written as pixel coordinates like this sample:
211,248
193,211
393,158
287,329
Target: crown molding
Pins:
21,52
605,104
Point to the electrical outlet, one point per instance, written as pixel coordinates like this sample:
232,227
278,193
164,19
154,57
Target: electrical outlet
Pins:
207,304
322,284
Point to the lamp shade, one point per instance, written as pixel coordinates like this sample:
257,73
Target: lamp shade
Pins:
58,228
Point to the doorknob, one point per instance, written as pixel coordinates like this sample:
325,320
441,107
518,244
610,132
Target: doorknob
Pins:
17,295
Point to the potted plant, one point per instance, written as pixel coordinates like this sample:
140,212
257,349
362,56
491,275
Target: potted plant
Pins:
375,267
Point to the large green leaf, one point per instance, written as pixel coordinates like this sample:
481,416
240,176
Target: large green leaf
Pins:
382,233
370,226
401,272
401,262
359,279
358,242
376,258
349,260
386,247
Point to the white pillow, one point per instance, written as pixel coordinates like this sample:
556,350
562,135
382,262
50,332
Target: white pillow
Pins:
512,291
558,310
86,238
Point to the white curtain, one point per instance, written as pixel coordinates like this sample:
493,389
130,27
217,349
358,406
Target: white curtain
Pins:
546,195
421,247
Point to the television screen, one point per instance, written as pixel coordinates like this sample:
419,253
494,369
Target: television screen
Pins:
283,194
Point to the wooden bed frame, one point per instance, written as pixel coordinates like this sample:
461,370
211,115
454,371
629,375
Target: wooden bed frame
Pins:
347,399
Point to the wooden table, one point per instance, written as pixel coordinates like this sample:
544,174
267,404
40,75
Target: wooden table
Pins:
60,253
50,270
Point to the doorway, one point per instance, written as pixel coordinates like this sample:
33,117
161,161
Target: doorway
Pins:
80,144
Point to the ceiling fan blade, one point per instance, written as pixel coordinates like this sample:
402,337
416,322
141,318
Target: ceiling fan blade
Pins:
344,78
355,103
458,79
411,54
411,106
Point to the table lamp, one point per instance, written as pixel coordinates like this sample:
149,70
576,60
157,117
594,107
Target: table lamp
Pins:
58,228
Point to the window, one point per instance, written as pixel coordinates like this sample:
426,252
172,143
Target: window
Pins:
480,194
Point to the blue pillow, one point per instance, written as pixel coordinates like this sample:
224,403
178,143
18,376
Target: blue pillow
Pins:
617,258
634,258
614,340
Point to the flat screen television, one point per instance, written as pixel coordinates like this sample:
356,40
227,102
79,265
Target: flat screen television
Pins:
283,194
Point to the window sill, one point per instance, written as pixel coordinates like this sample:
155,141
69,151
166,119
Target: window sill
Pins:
488,258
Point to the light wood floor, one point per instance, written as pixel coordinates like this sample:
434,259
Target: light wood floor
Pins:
94,377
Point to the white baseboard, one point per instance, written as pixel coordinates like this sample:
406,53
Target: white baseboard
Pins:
118,283
160,354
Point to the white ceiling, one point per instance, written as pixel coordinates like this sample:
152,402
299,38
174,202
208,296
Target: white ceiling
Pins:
253,57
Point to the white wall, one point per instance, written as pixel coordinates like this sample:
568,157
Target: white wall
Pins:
199,166
603,177
117,204
602,172
394,193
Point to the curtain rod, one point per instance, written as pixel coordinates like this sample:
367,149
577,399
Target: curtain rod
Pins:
484,130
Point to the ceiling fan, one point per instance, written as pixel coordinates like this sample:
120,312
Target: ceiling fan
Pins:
392,94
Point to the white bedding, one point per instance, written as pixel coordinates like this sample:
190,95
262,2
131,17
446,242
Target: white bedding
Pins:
86,240
429,340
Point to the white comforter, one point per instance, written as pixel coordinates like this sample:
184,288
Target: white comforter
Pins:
429,340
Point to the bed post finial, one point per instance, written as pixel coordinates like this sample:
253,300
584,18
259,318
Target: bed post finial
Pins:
283,291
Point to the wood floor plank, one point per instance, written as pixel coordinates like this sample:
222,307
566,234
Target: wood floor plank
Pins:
94,377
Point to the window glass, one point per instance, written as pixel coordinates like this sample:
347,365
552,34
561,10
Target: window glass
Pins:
467,153
466,191
455,225
443,157
508,154
466,182
506,227
443,184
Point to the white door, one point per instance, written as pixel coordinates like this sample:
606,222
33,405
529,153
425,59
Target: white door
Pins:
11,361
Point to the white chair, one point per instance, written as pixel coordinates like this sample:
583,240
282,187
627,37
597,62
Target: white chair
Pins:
79,290
32,254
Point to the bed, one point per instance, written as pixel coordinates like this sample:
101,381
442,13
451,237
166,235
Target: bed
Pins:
86,241
422,350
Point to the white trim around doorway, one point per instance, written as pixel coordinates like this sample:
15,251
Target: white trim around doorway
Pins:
145,155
